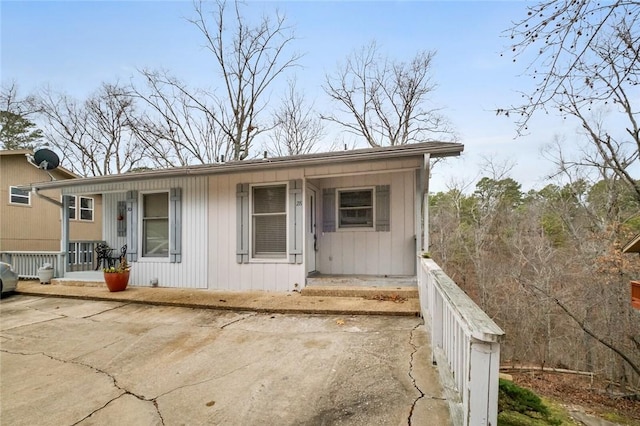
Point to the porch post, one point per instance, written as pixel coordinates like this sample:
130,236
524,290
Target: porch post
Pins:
425,202
64,236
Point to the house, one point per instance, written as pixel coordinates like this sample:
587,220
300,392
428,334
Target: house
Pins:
268,224
633,246
32,221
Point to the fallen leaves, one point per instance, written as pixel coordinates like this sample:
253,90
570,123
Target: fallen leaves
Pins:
393,297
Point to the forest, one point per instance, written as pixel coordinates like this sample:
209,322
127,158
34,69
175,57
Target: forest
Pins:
547,266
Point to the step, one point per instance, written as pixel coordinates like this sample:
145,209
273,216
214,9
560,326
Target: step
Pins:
398,293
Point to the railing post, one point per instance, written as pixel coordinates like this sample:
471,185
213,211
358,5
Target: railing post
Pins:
60,267
465,344
481,405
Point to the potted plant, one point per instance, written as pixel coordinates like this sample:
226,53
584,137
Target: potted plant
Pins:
117,278
45,273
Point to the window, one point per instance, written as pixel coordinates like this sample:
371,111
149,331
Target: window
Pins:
155,225
84,211
19,196
86,208
72,206
355,208
269,221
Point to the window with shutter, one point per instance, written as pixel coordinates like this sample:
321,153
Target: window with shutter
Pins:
269,221
155,224
355,208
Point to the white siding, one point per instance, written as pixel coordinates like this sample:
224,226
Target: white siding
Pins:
209,226
370,252
224,272
192,271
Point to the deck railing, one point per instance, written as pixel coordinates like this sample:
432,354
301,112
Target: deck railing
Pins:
465,346
80,257
27,263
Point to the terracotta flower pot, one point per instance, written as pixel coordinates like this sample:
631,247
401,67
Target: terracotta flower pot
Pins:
116,281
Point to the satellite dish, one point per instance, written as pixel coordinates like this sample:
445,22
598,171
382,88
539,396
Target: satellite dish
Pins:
45,159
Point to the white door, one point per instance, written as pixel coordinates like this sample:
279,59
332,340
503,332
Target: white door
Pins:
311,239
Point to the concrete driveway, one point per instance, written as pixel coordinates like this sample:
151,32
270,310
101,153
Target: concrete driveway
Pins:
79,362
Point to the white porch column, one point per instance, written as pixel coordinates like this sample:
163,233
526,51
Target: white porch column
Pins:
425,201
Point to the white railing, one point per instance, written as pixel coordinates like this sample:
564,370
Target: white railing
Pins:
465,346
80,257
26,263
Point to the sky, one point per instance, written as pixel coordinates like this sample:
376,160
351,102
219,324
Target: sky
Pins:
74,46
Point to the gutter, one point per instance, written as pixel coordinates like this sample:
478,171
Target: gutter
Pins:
309,160
47,198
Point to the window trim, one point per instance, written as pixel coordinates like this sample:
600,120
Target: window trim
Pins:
279,258
75,205
342,228
11,195
141,256
79,208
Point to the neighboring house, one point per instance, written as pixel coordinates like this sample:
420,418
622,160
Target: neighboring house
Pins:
633,246
268,224
32,222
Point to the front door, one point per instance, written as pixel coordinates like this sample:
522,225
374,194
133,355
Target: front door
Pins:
311,239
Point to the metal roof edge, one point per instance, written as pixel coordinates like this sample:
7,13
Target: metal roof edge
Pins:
435,149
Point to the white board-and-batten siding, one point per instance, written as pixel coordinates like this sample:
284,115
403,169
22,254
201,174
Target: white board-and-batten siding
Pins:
224,271
209,228
191,272
368,252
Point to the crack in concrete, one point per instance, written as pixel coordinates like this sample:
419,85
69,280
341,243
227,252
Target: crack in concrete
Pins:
205,380
242,318
107,310
413,379
110,376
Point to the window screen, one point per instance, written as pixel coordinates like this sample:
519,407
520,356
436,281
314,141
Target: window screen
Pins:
355,208
86,208
155,225
72,206
269,214
19,196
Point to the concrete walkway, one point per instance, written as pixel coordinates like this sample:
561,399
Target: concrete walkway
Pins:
365,301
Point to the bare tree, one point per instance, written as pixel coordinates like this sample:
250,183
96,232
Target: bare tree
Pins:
249,59
178,126
586,66
94,135
296,126
384,100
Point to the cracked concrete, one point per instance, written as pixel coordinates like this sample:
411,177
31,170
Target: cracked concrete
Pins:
75,362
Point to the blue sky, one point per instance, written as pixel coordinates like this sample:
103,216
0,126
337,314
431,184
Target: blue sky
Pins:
73,46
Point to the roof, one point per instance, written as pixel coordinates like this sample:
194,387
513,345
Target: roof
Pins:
26,152
434,149
632,246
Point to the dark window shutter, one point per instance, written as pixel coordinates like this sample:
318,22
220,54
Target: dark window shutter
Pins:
329,210
383,208
296,227
242,223
132,228
175,225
